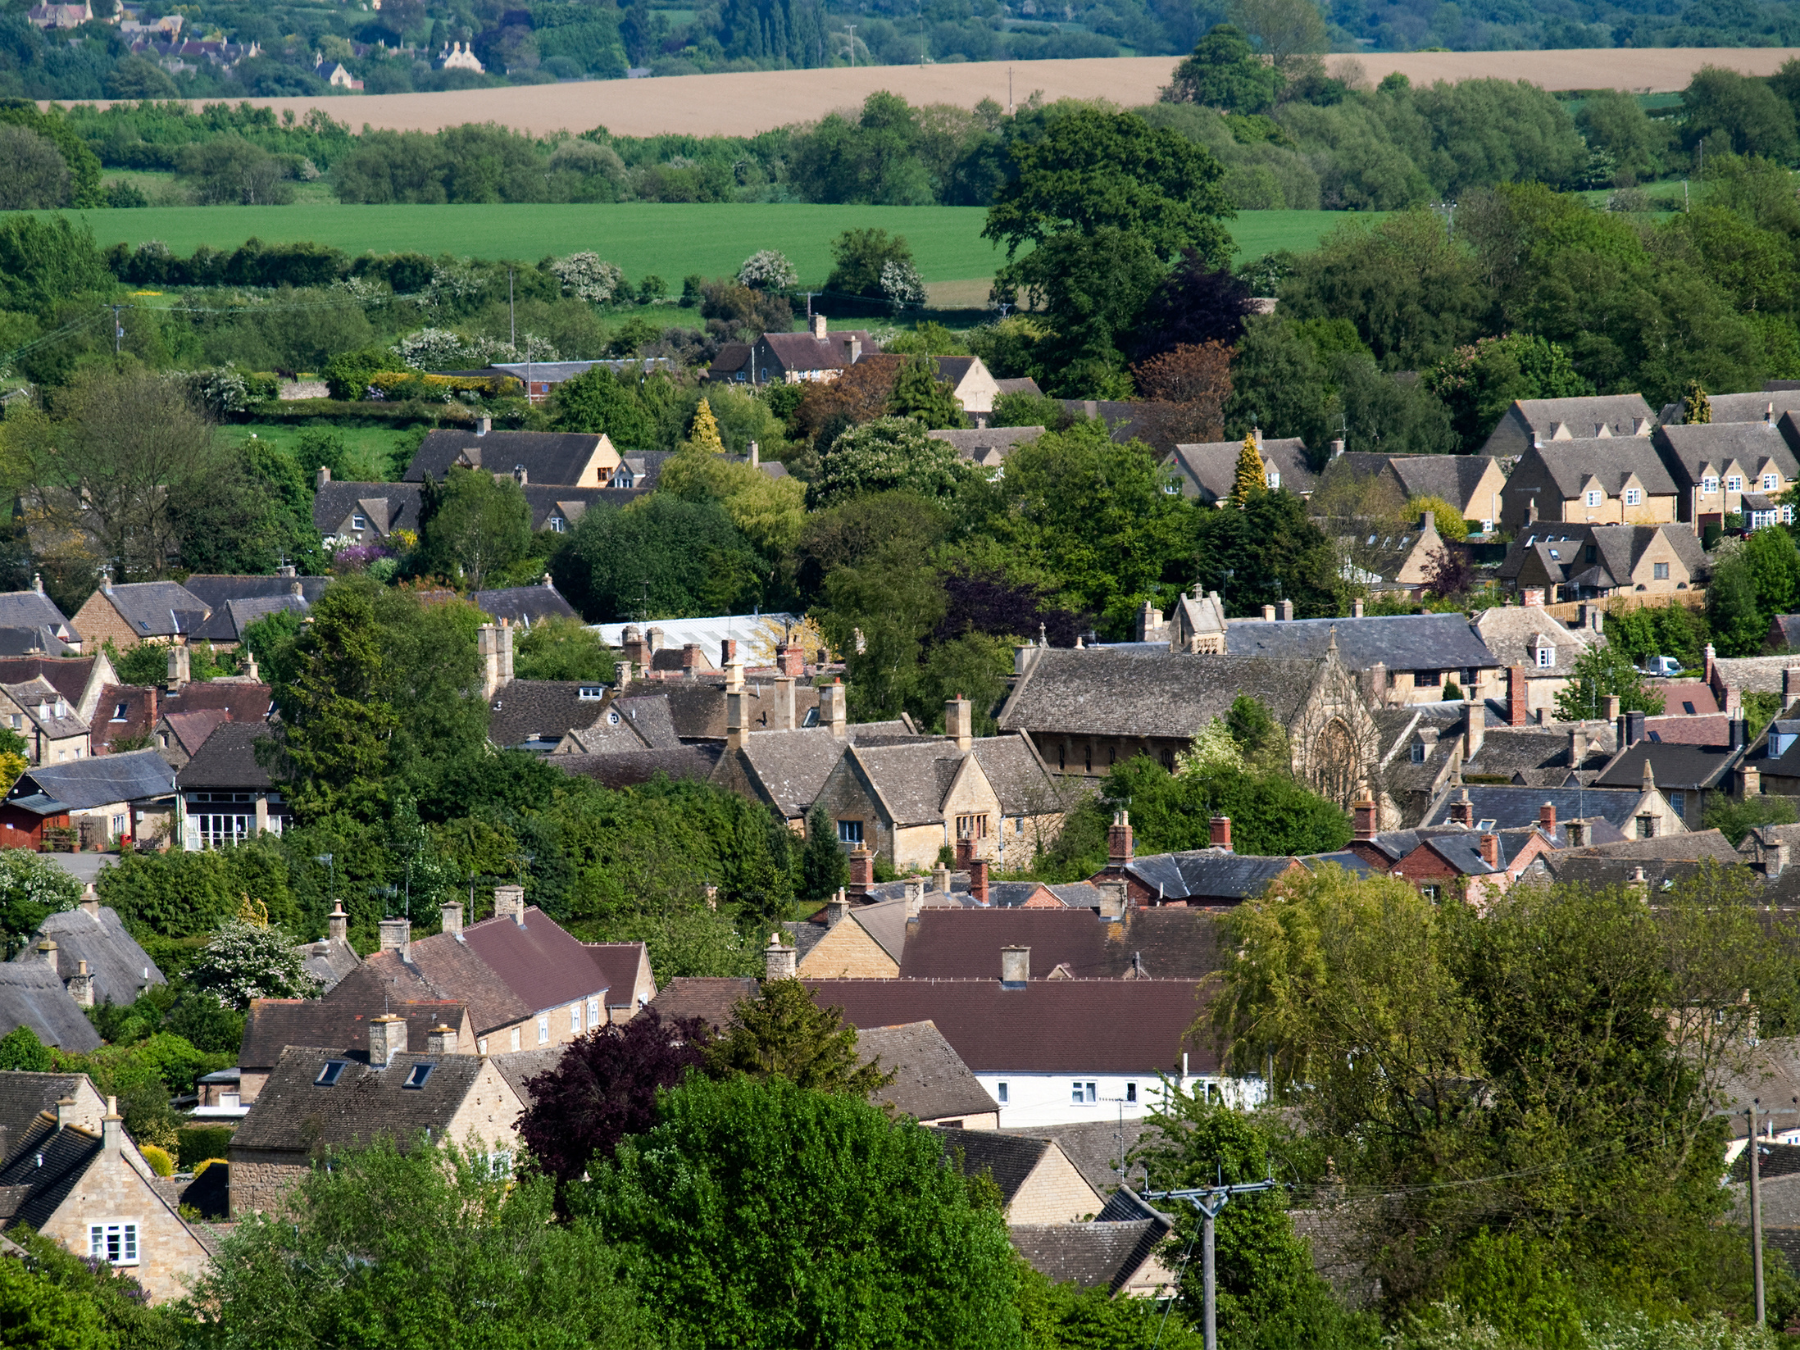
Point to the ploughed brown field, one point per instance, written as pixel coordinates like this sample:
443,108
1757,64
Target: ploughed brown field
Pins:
749,102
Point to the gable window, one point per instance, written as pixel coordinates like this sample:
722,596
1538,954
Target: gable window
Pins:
1659,571
1000,1093
333,1070
416,1076
543,1031
1082,1093
972,827
1709,485
575,1019
1735,483
593,1013
1646,827
358,521
1593,496
850,832
1634,496
114,1243
1771,482
1546,658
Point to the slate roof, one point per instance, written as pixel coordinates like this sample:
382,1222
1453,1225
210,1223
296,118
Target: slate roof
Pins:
293,1114
1753,674
710,997
1089,1255
542,710
1451,478
627,768
1208,469
32,1191
1609,460
1517,807
792,766
1208,874
1093,1146
85,783
1509,751
525,605
338,1024
217,588
931,1082
1584,415
1048,1026
1402,641
1585,868
157,608
32,996
912,780
1009,1159
1513,633
230,618
30,609
328,961
1690,450
1676,766
989,445
39,701
649,717
388,506
1749,407
553,458
227,760
121,969
885,922
1147,692
43,640
1019,385
26,1096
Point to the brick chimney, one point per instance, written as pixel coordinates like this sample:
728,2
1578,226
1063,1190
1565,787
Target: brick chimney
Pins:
1221,832
959,723
691,658
1362,815
1547,817
635,649
978,880
1516,715
81,985
337,924
778,959
1378,684
509,903
790,659
862,870
1015,967
387,1038
1462,811
1490,850
450,917
441,1040
1790,685
965,854
396,936
1534,597
1118,841
112,1127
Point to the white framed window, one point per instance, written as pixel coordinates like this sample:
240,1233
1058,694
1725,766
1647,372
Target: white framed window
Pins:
1735,483
575,1020
481,1045
1081,1093
114,1243
543,1031
1771,482
593,1013
1273,478
558,524
1634,496
1593,496
359,521
1709,485
1000,1093
515,1038
1546,657
118,825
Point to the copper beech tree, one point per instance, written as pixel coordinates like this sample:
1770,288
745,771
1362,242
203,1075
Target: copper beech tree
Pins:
1191,384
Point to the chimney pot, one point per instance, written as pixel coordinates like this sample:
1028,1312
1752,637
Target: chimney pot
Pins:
978,880
337,924
90,901
1221,832
778,959
1547,817
1118,841
1015,967
509,903
450,917
836,909
387,1038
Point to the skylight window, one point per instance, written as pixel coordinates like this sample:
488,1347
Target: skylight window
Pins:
333,1070
416,1076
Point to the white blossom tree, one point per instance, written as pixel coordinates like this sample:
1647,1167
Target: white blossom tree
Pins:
586,276
768,270
247,960
902,284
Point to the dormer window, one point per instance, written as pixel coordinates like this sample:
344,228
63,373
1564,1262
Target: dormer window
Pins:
1735,483
1634,496
1273,477
588,692
1546,656
558,524
1418,752
358,521
119,713
1771,482
1709,485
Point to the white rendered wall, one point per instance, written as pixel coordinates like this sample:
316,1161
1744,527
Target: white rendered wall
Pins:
1039,1099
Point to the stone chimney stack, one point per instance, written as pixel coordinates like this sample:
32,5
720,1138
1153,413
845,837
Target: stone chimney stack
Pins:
1612,708
636,650
81,986
321,478
978,880
784,702
1474,725
441,1040
836,910
818,327
1287,611
396,936
1516,716
959,723
180,669
1268,614
1356,608
940,879
1578,746
1015,967
1221,832
833,711
509,903
66,1113
450,917
1118,841
387,1038
1363,815
915,896
90,901
47,953
1790,686
734,710
112,1128
778,959
1775,859
337,924
494,643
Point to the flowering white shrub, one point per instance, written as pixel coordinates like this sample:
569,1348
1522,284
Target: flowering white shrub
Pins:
218,391
431,349
902,284
586,276
30,878
768,270
247,961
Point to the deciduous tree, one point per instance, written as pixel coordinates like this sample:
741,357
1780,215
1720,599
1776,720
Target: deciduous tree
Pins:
786,1034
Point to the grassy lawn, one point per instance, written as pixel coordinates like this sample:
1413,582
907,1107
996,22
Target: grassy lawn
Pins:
381,451
671,241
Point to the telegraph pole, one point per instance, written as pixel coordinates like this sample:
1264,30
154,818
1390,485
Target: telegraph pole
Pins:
1209,1200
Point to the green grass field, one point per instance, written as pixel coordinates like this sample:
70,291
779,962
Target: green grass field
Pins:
671,241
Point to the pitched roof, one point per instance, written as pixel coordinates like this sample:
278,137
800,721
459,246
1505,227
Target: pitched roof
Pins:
706,996
1583,416
84,783
1517,807
24,1097
619,963
550,457
1450,478
525,605
157,608
1009,1159
48,710
949,944
1401,641
987,445
389,506
1676,766
520,1067
731,358
67,675
217,588
542,710
1608,460
30,609
1513,634
1691,450
120,968
242,700
35,1184
792,766
543,963
1208,874
230,618
1133,692
293,1113
931,1082
226,758
31,995
912,780
1047,1026
627,768
1212,465
1750,407
340,1024
1104,1255
1754,674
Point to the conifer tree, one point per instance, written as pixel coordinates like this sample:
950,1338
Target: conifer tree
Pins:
1252,478
704,434
1696,407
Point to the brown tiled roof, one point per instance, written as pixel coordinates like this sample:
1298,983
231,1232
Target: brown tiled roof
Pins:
110,725
340,1024
951,944
618,963
243,702
294,1114
1048,1026
541,962
68,675
626,768
931,1082
710,997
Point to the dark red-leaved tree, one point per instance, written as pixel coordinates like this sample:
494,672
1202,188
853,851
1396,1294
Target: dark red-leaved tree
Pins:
604,1088
986,602
1195,303
1448,572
